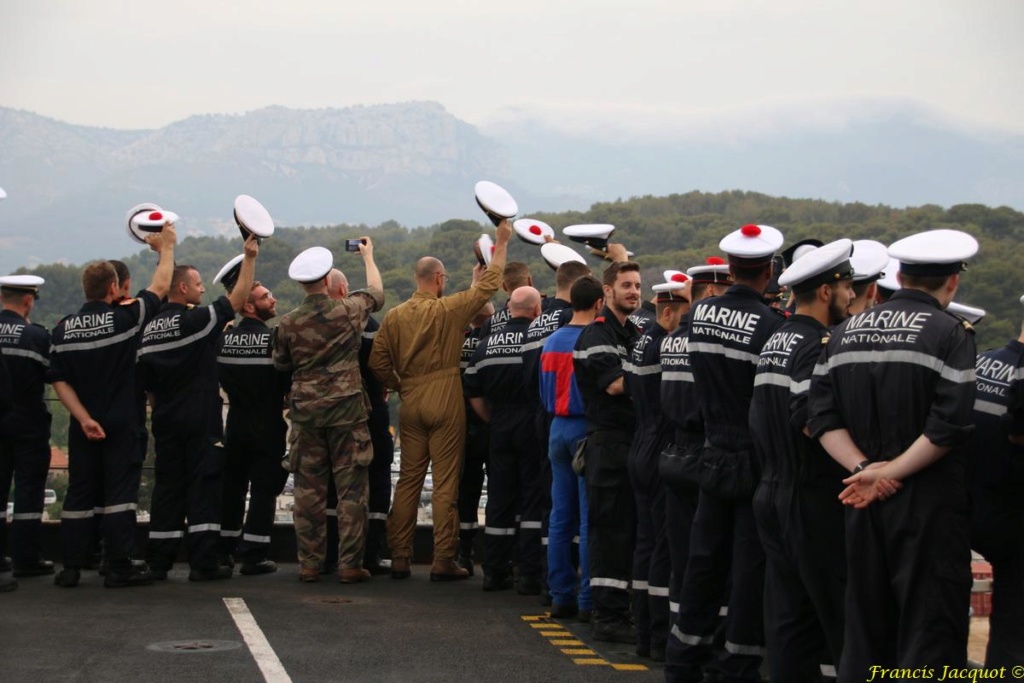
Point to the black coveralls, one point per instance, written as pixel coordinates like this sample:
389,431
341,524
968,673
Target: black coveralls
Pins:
652,564
996,477
726,337
378,421
513,467
680,407
478,444
897,371
24,437
178,362
254,438
601,350
799,517
94,351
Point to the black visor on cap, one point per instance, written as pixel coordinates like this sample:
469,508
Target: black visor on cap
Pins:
926,269
843,271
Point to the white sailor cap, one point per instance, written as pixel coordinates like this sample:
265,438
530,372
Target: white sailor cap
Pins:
971,314
252,218
557,254
752,244
829,263
3,194
25,284
145,219
870,259
669,274
1022,299
228,275
495,200
311,265
674,287
714,271
888,279
484,249
801,248
594,235
533,231
934,252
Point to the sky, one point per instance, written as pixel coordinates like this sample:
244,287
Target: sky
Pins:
633,66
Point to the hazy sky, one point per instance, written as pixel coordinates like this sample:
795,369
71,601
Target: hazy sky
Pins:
636,64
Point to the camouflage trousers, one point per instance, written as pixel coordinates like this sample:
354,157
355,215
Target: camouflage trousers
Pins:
318,453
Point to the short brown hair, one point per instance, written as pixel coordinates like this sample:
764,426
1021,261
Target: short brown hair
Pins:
515,275
611,273
569,272
929,283
585,292
96,280
255,284
180,273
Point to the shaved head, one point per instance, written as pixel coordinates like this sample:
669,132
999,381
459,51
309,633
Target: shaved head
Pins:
524,301
337,284
427,266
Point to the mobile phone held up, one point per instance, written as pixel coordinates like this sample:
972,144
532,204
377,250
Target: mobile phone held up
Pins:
353,245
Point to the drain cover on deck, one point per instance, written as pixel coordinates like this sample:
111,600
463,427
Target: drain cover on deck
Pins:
194,646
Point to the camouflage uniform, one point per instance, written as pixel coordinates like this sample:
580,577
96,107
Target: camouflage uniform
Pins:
319,343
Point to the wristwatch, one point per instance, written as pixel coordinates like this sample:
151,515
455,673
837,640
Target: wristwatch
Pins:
861,465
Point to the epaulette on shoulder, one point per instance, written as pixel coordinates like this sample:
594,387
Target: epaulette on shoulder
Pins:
782,312
967,325
128,302
189,307
825,338
599,319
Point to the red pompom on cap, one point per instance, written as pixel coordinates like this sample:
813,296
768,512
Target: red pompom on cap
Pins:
535,230
750,230
717,260
679,277
155,216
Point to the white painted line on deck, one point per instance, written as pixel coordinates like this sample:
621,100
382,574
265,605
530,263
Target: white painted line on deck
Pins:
270,666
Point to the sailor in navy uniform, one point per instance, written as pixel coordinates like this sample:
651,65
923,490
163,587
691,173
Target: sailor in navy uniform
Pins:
255,430
652,564
178,363
378,421
478,443
598,358
515,275
92,368
7,581
891,401
494,386
727,334
679,405
25,429
996,476
796,505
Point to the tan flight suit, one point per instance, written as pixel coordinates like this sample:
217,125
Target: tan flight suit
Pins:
416,352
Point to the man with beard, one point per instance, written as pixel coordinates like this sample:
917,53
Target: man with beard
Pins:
598,359
727,334
254,436
799,517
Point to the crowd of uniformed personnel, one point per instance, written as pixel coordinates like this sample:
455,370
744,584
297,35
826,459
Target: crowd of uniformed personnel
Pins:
722,479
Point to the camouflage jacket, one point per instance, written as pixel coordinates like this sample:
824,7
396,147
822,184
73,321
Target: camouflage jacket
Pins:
319,343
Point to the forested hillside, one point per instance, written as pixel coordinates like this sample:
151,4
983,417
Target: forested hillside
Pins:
665,232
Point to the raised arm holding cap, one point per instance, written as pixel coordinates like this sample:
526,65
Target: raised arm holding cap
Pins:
240,292
163,244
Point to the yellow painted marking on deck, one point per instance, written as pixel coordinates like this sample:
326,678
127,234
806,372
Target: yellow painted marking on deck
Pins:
577,650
